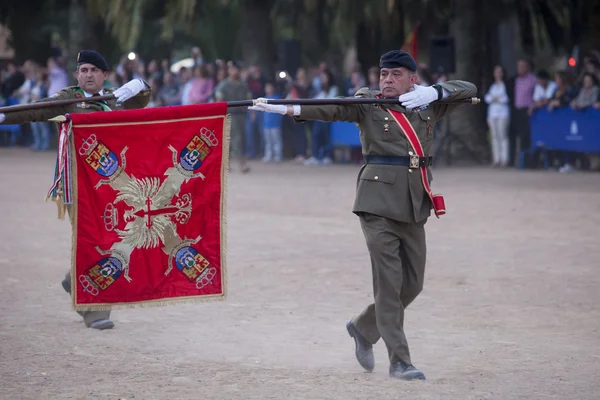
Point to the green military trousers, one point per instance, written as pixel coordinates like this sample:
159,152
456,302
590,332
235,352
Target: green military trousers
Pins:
398,253
236,146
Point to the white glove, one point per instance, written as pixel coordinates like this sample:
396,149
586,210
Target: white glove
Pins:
2,117
129,90
272,108
419,96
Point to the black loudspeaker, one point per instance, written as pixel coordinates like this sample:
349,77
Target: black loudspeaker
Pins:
441,55
289,56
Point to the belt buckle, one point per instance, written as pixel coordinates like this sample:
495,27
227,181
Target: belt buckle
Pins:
414,161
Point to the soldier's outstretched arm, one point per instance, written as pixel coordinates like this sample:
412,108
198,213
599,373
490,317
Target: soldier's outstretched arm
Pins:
327,113
457,90
37,115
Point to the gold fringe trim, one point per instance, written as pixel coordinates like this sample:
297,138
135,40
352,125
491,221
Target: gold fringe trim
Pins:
150,303
224,186
159,302
73,210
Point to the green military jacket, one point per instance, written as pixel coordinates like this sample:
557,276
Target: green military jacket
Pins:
391,191
73,92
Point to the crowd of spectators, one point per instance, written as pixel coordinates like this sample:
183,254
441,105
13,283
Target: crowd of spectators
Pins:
513,100
195,83
510,100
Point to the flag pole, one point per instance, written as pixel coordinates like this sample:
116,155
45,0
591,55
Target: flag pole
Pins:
242,103
337,101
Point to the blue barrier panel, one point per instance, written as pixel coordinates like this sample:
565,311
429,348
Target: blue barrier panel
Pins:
14,129
345,134
566,129
10,128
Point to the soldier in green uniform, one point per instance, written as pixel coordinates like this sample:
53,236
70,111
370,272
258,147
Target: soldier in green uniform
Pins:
392,201
92,71
233,88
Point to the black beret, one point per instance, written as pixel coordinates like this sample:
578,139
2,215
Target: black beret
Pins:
92,57
397,59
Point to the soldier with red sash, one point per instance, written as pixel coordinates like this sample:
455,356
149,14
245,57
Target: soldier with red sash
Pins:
92,71
394,198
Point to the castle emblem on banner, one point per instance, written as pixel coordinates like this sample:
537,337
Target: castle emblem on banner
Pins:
98,156
197,149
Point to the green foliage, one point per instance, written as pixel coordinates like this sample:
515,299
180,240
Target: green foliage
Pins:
324,27
216,28
32,24
157,28
124,18
548,24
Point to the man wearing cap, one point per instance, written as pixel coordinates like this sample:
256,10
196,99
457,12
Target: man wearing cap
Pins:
233,88
393,199
92,71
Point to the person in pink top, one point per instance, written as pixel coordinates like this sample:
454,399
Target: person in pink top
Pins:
202,86
524,86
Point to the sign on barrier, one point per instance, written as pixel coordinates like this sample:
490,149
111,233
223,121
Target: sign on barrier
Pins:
566,129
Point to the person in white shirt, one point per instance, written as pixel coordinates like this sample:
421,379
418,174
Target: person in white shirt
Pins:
498,117
543,91
186,84
57,77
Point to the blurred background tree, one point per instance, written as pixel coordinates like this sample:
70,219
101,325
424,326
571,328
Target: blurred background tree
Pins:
340,32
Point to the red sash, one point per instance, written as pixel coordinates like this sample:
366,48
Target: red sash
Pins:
436,199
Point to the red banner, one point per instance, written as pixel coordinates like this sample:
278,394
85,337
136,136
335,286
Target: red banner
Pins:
411,44
148,213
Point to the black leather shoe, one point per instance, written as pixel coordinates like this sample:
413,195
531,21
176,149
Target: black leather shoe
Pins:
66,285
407,372
101,324
363,349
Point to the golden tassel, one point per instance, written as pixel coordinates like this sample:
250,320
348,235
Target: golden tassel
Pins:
60,203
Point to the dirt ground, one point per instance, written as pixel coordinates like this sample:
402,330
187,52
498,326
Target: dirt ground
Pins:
509,309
